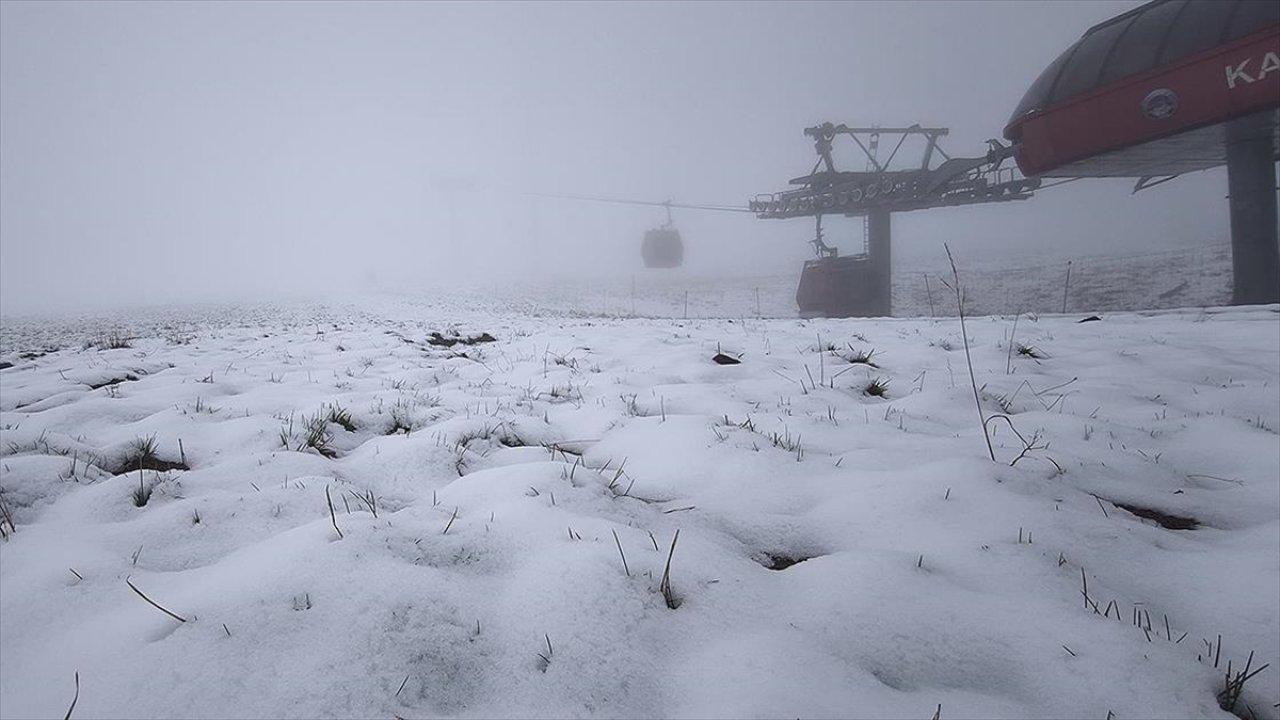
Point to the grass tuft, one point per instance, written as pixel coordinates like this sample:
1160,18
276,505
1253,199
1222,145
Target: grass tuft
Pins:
401,418
142,451
314,435
784,441
1233,683
142,454
337,415
861,357
1029,351
115,340
142,494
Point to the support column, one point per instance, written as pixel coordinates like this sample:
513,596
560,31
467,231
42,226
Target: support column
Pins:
879,247
1251,183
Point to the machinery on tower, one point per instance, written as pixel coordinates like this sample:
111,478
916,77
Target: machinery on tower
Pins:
859,284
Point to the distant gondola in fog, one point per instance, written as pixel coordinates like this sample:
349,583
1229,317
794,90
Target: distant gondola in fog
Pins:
662,246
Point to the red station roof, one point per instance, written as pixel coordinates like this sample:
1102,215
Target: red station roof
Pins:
1146,93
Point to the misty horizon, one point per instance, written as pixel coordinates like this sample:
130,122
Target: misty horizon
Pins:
156,153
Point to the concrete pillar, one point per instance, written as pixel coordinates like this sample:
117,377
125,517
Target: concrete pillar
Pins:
1251,183
879,241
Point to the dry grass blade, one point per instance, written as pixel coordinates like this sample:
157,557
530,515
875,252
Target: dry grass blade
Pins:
964,334
1027,445
1008,361
546,659
74,699
624,555
665,586
153,603
6,519
333,517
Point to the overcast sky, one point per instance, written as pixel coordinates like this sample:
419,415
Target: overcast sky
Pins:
165,151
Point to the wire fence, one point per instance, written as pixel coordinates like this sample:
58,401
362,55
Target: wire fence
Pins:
1195,277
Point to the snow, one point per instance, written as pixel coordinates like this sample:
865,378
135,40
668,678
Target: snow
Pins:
488,582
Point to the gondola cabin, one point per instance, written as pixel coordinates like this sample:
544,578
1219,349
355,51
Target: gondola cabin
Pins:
843,286
662,248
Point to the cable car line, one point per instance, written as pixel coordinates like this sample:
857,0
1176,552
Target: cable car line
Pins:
651,203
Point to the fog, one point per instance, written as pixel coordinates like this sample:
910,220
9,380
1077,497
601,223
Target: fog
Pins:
159,152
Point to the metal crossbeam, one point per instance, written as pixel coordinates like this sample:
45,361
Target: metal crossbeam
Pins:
957,181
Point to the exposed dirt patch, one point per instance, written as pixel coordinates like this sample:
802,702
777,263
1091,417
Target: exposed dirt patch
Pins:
439,340
130,377
781,561
5,365
1163,519
131,464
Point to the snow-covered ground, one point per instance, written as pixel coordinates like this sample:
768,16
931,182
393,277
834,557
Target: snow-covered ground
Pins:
375,522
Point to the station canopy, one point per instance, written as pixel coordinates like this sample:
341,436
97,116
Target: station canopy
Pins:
1164,69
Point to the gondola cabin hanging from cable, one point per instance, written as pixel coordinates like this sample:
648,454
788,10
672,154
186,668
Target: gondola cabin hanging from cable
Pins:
662,246
836,285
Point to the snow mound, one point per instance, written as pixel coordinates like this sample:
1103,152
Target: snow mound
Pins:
341,515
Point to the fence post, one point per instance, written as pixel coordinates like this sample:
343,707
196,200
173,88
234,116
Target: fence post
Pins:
1066,286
